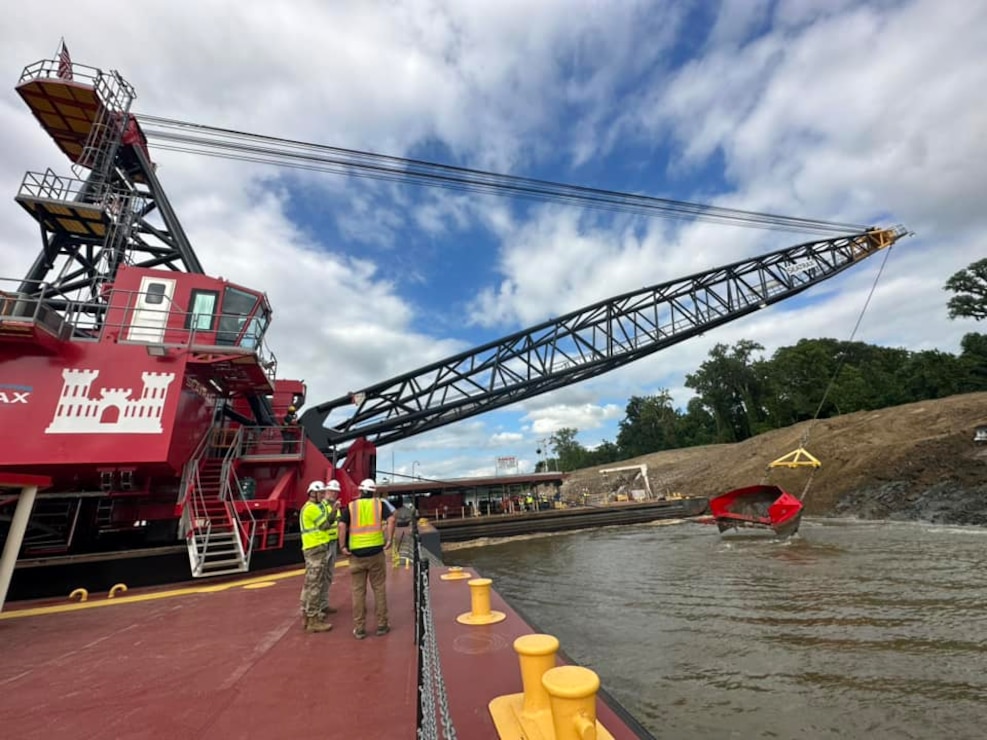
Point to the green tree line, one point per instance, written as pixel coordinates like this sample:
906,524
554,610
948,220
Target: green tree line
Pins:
739,393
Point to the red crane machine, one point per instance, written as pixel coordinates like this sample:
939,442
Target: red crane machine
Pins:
144,389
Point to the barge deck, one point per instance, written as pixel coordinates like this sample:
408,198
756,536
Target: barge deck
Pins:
229,659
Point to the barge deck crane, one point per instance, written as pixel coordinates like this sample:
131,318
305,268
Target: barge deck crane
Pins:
145,391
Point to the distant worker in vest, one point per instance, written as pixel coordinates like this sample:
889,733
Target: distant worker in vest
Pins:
365,531
387,504
314,525
330,501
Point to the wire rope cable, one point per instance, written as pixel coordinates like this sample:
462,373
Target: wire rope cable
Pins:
174,135
836,373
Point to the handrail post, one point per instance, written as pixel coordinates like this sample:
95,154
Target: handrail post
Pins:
244,531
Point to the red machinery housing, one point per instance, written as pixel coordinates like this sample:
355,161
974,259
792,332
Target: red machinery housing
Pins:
142,387
144,423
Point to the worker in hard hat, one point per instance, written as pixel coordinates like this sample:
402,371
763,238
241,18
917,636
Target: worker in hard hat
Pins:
314,525
366,529
290,433
330,501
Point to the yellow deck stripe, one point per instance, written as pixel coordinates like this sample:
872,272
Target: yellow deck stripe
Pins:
74,607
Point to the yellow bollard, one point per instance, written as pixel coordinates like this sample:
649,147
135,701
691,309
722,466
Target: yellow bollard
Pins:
117,588
529,714
81,593
456,573
480,612
532,714
536,654
572,696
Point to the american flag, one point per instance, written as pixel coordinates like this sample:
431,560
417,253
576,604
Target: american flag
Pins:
64,62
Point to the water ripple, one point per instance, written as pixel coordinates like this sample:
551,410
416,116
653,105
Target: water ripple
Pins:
848,630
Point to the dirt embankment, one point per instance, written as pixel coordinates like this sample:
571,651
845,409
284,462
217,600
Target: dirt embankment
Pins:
916,461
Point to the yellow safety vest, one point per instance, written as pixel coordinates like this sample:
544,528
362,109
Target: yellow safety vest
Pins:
365,524
312,517
334,527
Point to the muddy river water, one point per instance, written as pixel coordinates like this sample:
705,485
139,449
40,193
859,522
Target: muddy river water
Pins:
848,630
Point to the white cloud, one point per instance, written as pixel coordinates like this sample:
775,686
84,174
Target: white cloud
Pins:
502,438
584,417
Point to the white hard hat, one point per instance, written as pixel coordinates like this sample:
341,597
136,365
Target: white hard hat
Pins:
333,486
368,485
316,486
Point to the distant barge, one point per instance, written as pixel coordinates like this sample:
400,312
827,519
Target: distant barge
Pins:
560,520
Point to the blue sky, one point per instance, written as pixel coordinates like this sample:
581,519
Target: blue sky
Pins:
852,111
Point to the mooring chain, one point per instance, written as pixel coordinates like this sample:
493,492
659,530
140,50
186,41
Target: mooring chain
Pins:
448,731
434,690
427,730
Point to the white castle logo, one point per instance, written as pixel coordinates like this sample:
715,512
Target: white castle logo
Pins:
114,412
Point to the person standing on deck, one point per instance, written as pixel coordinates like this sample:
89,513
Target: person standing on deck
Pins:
291,433
387,504
330,502
314,526
365,531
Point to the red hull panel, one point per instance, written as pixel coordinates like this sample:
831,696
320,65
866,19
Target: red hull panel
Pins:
99,404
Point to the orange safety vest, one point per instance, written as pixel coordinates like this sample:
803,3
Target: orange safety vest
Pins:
366,524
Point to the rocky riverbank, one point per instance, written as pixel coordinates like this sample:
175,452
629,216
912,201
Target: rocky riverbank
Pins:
916,462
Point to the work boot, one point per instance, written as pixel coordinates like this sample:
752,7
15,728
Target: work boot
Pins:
383,630
317,625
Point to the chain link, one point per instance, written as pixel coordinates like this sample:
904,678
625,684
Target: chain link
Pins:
434,699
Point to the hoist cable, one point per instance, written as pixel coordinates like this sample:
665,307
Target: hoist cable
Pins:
839,367
843,356
174,135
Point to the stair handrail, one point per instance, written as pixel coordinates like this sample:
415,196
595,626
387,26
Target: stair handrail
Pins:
191,495
231,491
190,472
247,529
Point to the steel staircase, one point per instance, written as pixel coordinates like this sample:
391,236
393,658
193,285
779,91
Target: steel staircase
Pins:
219,542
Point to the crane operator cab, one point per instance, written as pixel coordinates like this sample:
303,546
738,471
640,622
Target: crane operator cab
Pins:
173,309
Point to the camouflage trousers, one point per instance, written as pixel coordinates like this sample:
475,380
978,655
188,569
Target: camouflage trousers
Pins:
315,589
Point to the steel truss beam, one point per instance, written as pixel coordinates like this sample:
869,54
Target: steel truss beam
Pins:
72,267
584,343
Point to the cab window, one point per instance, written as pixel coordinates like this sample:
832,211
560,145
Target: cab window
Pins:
155,294
237,306
202,310
255,330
